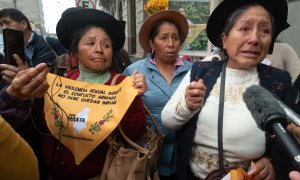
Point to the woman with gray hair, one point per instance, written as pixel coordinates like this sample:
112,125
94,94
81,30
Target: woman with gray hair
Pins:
246,31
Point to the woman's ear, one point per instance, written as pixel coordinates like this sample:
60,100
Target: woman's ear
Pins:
24,25
151,45
224,40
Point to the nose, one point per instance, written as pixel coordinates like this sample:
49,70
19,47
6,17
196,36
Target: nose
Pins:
170,42
99,48
254,36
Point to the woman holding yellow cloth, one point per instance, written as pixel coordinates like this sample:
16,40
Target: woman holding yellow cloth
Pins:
93,36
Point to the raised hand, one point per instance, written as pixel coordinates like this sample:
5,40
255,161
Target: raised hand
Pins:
139,82
9,71
30,83
194,94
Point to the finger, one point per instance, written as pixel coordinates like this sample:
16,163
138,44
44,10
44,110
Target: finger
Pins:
32,75
266,170
135,72
41,67
8,74
194,106
197,85
139,78
40,90
36,86
196,93
296,131
20,62
269,176
9,68
290,128
7,79
294,175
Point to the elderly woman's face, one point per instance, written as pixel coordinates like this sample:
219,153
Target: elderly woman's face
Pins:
95,50
166,43
248,41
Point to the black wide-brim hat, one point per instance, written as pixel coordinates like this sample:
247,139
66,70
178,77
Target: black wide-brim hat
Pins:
160,16
80,18
218,18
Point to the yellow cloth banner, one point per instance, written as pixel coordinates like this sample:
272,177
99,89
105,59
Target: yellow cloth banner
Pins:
81,115
194,31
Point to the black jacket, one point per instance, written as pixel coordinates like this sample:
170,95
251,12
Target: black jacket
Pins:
42,53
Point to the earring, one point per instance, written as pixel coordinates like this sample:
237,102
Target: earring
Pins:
152,54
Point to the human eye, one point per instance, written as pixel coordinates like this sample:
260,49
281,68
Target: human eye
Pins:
89,43
176,37
266,31
163,37
244,28
107,45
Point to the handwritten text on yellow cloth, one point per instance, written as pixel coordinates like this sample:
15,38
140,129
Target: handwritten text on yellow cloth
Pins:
81,115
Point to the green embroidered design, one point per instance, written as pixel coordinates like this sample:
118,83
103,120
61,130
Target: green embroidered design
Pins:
57,117
96,127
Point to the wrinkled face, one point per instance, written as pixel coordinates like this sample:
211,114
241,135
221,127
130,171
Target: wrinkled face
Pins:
95,50
166,43
248,41
7,22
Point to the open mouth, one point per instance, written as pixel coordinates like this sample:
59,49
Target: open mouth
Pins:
250,53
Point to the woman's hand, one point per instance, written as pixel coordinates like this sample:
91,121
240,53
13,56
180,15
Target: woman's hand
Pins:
30,83
139,82
9,71
266,170
194,94
294,130
294,175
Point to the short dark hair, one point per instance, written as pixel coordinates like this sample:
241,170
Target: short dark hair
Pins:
15,15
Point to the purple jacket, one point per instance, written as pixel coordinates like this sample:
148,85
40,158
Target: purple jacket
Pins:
13,110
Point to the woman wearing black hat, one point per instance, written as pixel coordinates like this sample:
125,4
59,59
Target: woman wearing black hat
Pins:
246,31
92,36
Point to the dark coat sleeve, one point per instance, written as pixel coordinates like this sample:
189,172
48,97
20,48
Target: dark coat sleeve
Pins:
293,96
13,110
277,82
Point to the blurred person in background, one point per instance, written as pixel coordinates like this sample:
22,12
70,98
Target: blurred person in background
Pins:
284,57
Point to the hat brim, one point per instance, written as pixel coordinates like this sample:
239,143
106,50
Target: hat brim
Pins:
169,15
79,18
218,18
